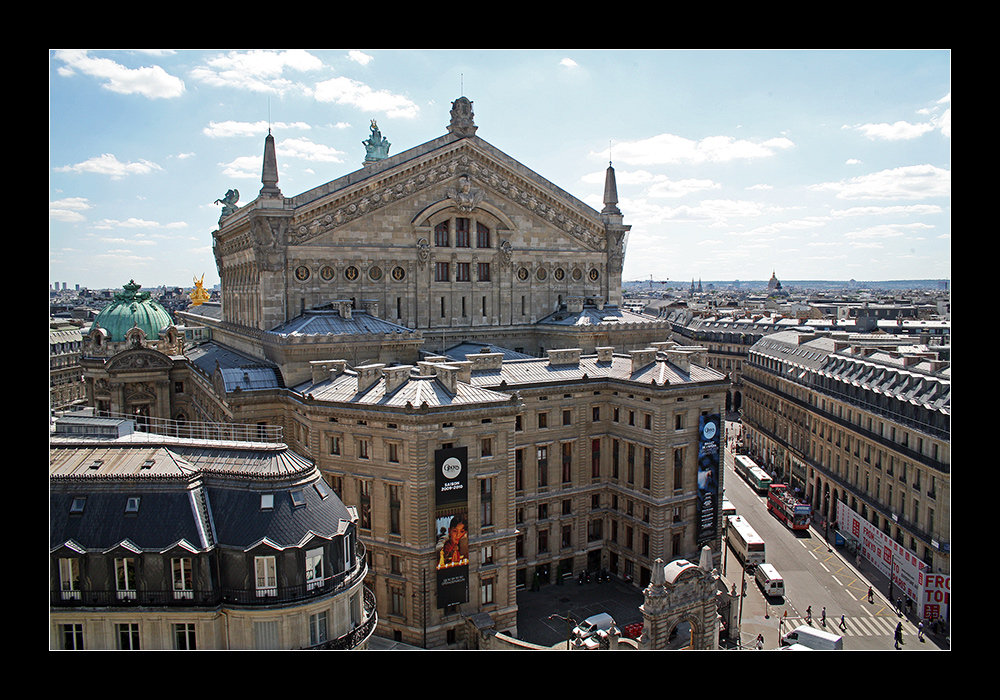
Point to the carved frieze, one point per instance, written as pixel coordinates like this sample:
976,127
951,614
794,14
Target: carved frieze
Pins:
477,181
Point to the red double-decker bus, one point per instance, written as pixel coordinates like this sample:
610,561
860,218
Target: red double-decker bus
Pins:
788,509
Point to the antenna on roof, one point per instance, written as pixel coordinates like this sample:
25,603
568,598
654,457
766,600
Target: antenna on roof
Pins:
461,83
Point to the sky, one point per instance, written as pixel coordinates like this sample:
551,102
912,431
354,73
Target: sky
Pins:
731,165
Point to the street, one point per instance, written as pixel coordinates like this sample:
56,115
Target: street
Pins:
816,575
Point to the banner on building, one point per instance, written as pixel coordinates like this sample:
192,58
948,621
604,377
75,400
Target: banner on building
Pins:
709,440
930,592
451,524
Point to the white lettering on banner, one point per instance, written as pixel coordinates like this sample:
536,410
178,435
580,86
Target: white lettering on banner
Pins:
451,485
903,567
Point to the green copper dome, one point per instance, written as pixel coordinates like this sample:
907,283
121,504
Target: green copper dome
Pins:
132,308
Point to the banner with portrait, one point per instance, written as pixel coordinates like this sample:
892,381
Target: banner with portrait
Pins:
709,442
451,525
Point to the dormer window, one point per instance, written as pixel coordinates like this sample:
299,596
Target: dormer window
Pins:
132,504
267,501
78,504
298,499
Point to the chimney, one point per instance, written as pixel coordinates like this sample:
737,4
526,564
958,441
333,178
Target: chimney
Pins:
464,371
322,370
641,358
447,375
485,360
605,354
368,376
396,377
566,356
371,307
344,308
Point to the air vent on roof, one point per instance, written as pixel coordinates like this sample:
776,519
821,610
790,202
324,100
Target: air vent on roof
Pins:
266,501
132,504
298,499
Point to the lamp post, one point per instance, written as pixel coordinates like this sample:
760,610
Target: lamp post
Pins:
569,621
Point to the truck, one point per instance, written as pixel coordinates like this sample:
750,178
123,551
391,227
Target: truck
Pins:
787,508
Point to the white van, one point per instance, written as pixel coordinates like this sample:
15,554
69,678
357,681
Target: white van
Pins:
587,634
815,639
770,580
727,509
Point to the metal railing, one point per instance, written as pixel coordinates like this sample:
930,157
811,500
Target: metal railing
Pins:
145,426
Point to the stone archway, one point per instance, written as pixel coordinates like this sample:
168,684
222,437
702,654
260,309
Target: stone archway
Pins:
681,592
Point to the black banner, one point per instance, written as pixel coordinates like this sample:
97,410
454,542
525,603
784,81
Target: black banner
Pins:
451,525
709,442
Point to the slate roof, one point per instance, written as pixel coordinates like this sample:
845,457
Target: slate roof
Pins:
416,391
540,371
332,323
238,370
197,494
592,316
878,371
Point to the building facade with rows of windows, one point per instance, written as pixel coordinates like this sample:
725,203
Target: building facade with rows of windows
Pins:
575,462
410,320
853,421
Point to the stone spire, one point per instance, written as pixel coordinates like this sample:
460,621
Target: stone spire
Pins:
610,193
269,176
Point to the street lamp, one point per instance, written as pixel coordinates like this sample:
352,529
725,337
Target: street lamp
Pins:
569,621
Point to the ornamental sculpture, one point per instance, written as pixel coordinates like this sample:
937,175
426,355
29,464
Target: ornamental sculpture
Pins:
376,145
229,202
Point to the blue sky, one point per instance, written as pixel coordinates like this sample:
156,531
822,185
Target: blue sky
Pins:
730,164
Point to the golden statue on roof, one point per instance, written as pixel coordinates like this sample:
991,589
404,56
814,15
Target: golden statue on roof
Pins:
199,295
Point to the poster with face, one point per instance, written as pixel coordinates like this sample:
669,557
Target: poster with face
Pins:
709,441
451,525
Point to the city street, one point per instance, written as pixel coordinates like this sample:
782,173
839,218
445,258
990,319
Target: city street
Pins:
816,575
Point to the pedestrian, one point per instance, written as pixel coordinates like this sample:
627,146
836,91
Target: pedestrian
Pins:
871,595
760,641
809,614
898,636
823,616
843,624
920,631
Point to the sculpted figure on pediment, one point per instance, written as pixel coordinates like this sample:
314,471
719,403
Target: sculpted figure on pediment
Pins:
465,196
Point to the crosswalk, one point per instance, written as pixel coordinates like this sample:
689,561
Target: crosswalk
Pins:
866,626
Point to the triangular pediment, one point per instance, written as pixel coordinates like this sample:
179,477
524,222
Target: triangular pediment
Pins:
463,174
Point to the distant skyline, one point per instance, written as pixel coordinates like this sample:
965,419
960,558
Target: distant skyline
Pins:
815,165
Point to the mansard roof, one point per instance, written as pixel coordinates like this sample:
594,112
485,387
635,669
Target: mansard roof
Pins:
152,493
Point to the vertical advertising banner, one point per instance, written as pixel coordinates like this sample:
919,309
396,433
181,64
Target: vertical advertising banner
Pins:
451,524
709,440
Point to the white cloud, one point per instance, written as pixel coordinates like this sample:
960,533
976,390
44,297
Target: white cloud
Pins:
149,81
897,131
670,148
908,182
346,91
307,150
257,70
359,57
107,164
233,128
568,63
69,209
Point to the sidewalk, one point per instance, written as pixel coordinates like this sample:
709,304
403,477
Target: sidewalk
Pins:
866,571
